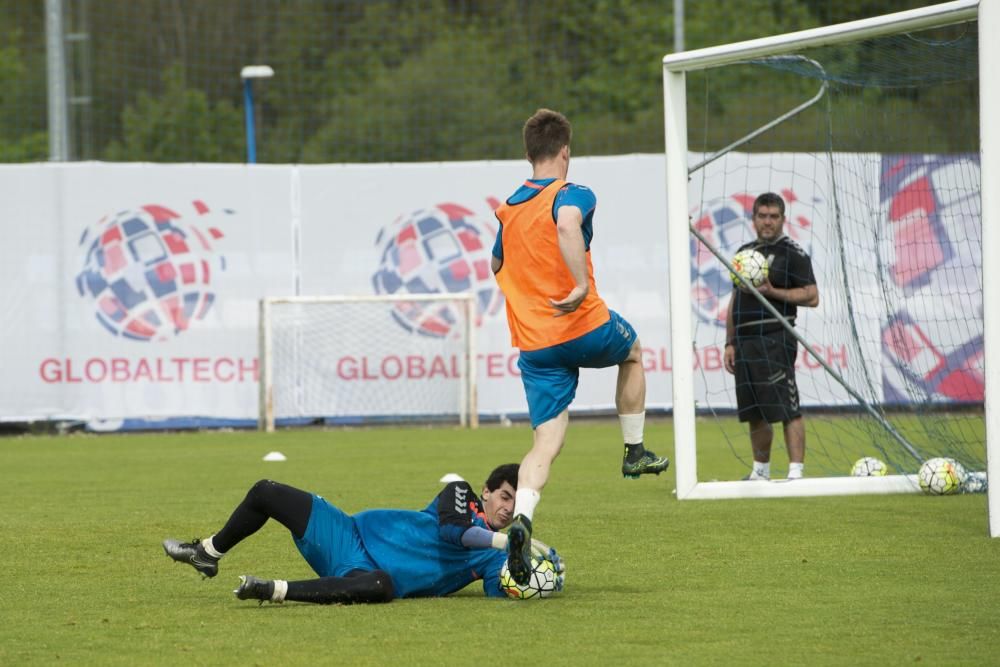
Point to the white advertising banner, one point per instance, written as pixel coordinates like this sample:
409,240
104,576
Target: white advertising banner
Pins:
356,214
129,292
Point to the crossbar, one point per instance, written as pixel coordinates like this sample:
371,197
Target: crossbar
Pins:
935,16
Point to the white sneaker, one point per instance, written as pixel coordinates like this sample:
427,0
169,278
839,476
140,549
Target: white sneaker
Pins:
755,476
794,474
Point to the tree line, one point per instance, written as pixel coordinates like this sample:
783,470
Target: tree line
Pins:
430,80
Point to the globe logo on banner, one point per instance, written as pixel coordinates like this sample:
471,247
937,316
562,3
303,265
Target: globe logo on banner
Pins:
443,249
149,271
726,223
934,340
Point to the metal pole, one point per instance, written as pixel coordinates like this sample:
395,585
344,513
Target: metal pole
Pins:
56,69
247,75
678,26
248,110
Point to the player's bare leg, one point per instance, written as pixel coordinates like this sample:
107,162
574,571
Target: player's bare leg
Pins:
795,441
630,392
761,435
630,401
547,443
531,479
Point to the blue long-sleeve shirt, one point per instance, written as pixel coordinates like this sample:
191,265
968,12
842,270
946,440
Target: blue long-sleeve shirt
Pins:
423,552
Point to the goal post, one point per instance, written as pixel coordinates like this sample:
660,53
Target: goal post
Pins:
368,359
989,135
836,173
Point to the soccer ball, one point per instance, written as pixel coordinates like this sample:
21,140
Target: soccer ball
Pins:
751,266
541,584
975,482
941,476
869,466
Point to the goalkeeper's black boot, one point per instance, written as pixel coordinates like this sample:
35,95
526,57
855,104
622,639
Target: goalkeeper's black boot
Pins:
193,554
252,588
519,549
641,461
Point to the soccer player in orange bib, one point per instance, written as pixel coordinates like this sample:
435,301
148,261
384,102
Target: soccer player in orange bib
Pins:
558,321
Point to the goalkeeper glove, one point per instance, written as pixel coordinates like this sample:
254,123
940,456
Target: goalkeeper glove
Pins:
542,551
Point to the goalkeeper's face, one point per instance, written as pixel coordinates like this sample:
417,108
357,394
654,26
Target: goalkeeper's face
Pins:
768,222
499,505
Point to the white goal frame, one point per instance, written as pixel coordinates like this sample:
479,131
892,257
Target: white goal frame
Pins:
675,67
467,408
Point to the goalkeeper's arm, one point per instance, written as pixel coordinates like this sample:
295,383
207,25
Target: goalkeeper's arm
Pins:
539,550
479,538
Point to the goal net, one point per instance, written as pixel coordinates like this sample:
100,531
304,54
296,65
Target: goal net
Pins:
870,132
367,359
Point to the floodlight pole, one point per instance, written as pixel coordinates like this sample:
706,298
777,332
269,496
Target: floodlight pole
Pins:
247,75
678,26
56,76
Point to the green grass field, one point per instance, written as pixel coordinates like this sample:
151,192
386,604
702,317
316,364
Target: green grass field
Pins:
650,580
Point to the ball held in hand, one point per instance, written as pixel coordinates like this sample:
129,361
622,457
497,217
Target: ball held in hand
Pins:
750,267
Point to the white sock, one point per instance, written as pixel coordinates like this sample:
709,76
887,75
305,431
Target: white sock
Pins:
280,591
795,470
632,427
525,502
762,469
210,548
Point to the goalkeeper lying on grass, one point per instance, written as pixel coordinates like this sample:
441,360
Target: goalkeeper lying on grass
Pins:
375,555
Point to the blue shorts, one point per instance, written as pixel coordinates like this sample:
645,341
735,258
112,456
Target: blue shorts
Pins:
551,374
331,544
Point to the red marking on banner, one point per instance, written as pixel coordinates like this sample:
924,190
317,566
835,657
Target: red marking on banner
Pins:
113,234
175,243
160,213
114,259
166,272
454,211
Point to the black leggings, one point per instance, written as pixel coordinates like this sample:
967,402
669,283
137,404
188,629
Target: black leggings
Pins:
265,500
359,586
291,507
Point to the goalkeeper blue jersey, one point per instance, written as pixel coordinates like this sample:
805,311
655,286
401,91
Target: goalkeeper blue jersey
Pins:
421,550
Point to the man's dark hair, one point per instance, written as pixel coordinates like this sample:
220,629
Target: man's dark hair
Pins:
769,199
505,473
545,134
